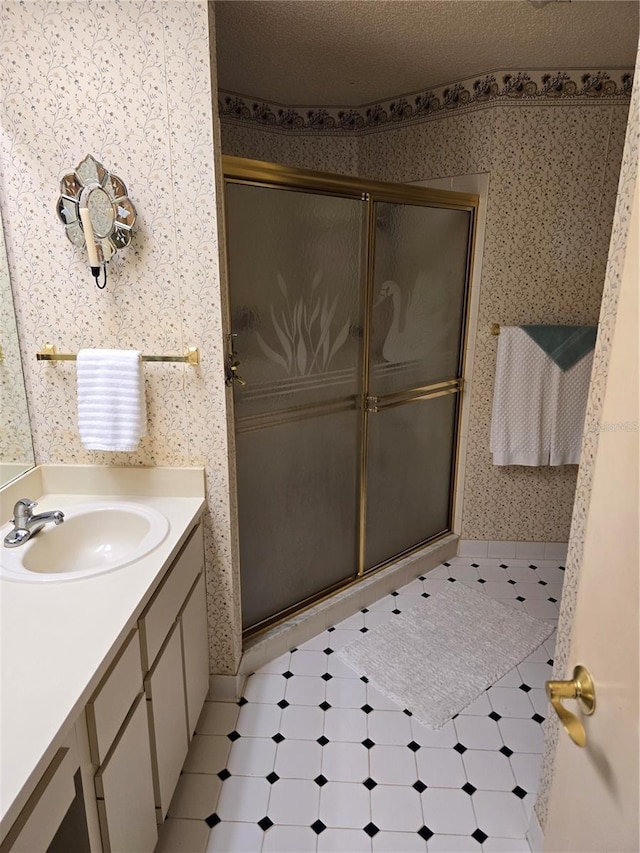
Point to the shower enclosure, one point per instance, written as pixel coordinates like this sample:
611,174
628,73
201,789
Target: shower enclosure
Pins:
348,302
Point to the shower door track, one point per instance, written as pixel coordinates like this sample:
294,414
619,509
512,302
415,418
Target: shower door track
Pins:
238,170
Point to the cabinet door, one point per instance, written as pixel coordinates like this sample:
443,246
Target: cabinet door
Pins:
195,651
124,786
167,720
46,807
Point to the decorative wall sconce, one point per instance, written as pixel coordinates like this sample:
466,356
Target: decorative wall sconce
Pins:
96,213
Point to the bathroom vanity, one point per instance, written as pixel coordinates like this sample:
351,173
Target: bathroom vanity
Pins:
103,677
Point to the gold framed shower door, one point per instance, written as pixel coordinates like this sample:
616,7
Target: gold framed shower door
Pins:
250,173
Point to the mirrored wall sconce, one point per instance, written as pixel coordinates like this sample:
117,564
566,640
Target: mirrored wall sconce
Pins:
96,213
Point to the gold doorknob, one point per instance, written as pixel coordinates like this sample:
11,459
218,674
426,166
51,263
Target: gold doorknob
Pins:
582,689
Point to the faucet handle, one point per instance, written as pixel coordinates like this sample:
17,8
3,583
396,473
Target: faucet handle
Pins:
22,509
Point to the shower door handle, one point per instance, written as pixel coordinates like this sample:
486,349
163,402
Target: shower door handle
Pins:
231,364
231,374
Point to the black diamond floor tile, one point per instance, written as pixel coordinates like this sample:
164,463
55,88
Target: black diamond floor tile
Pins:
425,595
479,836
278,737
460,747
469,789
538,718
265,823
396,611
367,709
494,716
419,786
242,701
363,630
370,783
407,712
233,736
328,651
212,820
525,688
506,751
322,740
368,743
371,829
324,705
224,774
425,832
283,704
327,676
287,674
520,598
364,678
318,827
413,746
272,778
320,780
519,792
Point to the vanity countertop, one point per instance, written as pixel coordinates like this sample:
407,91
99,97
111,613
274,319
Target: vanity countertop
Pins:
58,638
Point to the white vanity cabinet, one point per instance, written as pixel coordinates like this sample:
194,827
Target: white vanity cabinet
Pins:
112,770
173,634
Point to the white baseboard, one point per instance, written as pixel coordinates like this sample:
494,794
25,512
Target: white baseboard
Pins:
534,835
506,549
225,688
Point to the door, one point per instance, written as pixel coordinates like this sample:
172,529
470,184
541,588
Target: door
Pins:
420,277
594,796
296,269
348,303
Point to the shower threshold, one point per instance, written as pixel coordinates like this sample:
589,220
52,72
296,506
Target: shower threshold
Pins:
275,641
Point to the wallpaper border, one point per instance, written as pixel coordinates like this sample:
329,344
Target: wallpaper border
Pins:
530,87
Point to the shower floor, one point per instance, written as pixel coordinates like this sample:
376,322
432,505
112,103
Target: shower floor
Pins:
312,758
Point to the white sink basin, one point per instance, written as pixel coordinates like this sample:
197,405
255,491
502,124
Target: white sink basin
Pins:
93,538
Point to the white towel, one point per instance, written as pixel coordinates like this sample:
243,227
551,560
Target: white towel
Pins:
111,403
538,409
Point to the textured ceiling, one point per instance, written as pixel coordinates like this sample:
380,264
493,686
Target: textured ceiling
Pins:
353,52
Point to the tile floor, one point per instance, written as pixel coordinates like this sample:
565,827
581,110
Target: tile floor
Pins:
313,758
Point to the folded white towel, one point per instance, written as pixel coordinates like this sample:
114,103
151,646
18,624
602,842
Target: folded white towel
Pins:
111,404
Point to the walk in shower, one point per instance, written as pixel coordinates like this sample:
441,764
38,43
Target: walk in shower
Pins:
348,301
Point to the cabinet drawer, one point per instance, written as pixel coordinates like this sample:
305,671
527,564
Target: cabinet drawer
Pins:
163,609
110,704
124,786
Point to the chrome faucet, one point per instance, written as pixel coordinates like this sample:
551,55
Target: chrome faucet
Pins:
27,524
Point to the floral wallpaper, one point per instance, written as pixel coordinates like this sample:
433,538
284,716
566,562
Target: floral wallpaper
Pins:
552,147
129,83
16,450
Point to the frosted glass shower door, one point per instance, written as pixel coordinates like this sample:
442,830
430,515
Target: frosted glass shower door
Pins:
296,272
419,289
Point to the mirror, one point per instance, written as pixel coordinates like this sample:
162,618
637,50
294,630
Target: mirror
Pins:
16,446
111,215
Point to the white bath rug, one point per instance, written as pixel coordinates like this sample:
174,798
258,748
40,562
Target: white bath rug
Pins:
438,657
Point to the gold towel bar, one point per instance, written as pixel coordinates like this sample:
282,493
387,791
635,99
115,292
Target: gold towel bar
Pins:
192,356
